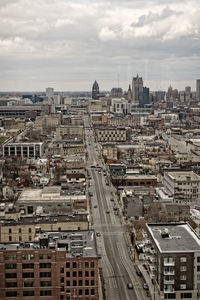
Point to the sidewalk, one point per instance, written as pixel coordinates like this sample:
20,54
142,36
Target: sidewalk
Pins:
152,288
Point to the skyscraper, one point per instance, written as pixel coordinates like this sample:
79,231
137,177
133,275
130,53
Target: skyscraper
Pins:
137,89
198,90
95,91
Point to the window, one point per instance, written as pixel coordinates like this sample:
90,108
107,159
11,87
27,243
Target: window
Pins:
86,264
80,292
80,282
74,264
28,275
45,283
62,279
29,230
45,293
11,284
80,264
10,230
28,293
86,273
10,238
11,294
80,274
198,268
67,264
27,256
87,283
183,268
28,284
92,273
20,230
61,270
11,275
45,274
27,266
198,259
45,265
86,292
170,296
45,256
92,282
183,259
74,282
10,257
183,277
198,277
10,266
92,264
74,274
67,274
92,291
182,286
68,283
186,295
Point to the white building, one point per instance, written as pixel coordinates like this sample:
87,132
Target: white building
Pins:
183,185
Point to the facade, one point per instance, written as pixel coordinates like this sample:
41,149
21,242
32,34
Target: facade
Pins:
137,89
111,134
198,90
95,91
26,229
183,185
173,260
120,106
66,132
116,92
61,265
22,149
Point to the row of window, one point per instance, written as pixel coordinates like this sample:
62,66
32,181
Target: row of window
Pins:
79,264
28,284
80,274
28,266
27,275
28,293
81,292
183,296
27,256
80,283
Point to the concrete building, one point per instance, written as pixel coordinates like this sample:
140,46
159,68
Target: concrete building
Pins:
198,90
111,134
26,229
53,200
173,260
120,106
61,265
67,132
183,185
23,149
137,89
95,91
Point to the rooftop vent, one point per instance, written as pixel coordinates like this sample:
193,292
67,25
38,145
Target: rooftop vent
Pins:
165,233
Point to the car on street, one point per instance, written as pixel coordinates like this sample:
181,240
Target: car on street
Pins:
95,206
145,286
98,234
111,199
130,286
138,272
107,211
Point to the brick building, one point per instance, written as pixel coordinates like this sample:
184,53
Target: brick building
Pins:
62,265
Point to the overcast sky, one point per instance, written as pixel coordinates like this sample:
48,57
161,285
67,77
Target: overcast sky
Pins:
67,44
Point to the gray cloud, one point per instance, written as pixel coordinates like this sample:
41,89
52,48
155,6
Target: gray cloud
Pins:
69,43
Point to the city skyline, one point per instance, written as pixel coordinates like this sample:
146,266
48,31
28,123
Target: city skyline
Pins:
67,45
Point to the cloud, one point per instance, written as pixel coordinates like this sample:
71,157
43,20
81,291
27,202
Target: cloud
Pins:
65,41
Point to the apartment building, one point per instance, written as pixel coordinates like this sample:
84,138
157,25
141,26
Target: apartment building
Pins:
61,265
173,260
111,134
183,185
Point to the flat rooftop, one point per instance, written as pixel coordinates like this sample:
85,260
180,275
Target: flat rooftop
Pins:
74,243
184,176
181,238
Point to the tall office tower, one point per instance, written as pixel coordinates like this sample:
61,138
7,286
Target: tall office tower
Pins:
187,93
198,90
95,91
145,98
130,96
137,89
49,92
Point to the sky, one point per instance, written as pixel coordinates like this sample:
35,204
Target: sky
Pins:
67,44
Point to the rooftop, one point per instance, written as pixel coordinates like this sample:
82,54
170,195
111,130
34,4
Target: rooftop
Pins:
75,244
181,237
184,176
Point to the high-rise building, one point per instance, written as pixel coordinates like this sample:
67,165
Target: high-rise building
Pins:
137,89
198,90
95,91
116,92
61,265
49,92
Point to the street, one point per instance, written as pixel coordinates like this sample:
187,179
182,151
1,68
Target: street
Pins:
118,269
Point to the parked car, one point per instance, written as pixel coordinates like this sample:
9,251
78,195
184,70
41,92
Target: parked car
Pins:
145,286
130,286
139,273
